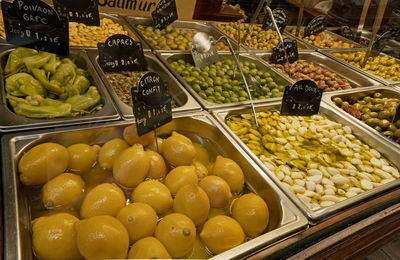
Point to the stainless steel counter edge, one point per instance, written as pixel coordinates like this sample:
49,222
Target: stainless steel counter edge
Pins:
18,123
328,52
315,216
294,221
328,100
163,56
126,111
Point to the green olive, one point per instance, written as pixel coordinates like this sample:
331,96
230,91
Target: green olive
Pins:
384,123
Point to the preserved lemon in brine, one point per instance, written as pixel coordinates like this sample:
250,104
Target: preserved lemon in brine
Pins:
201,170
201,154
102,237
104,199
231,172
54,237
109,152
158,168
82,157
192,201
155,194
96,176
251,211
139,219
178,150
42,163
131,166
131,136
217,189
148,248
62,192
177,233
221,233
179,177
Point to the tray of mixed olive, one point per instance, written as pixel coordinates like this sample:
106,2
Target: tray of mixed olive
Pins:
324,40
44,89
329,74
257,39
120,84
221,84
176,36
375,107
81,35
194,194
382,68
324,162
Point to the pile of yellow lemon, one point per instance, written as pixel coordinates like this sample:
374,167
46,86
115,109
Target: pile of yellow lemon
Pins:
121,200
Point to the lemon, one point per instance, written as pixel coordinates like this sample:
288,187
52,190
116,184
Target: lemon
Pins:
177,233
54,237
251,211
82,157
131,136
201,154
148,248
158,169
216,212
178,150
199,250
192,201
64,191
96,176
230,171
154,193
221,233
102,237
42,163
217,189
131,166
104,199
201,170
179,177
157,145
109,152
139,219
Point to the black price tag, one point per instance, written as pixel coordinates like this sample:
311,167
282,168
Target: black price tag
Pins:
316,26
280,19
34,24
164,14
346,32
380,44
278,55
151,103
202,59
397,115
303,98
81,11
121,53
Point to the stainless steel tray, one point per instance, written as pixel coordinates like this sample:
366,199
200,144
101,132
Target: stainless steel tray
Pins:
388,92
300,44
167,57
376,141
356,80
328,52
311,46
118,19
183,99
198,26
9,121
285,218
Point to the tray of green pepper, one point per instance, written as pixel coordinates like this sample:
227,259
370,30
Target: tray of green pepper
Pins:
42,89
221,85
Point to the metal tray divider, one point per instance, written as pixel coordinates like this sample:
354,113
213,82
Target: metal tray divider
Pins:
316,216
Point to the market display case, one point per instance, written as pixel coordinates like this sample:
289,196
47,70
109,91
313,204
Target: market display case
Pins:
22,203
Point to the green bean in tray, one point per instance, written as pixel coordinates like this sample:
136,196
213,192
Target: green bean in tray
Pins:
122,83
219,83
